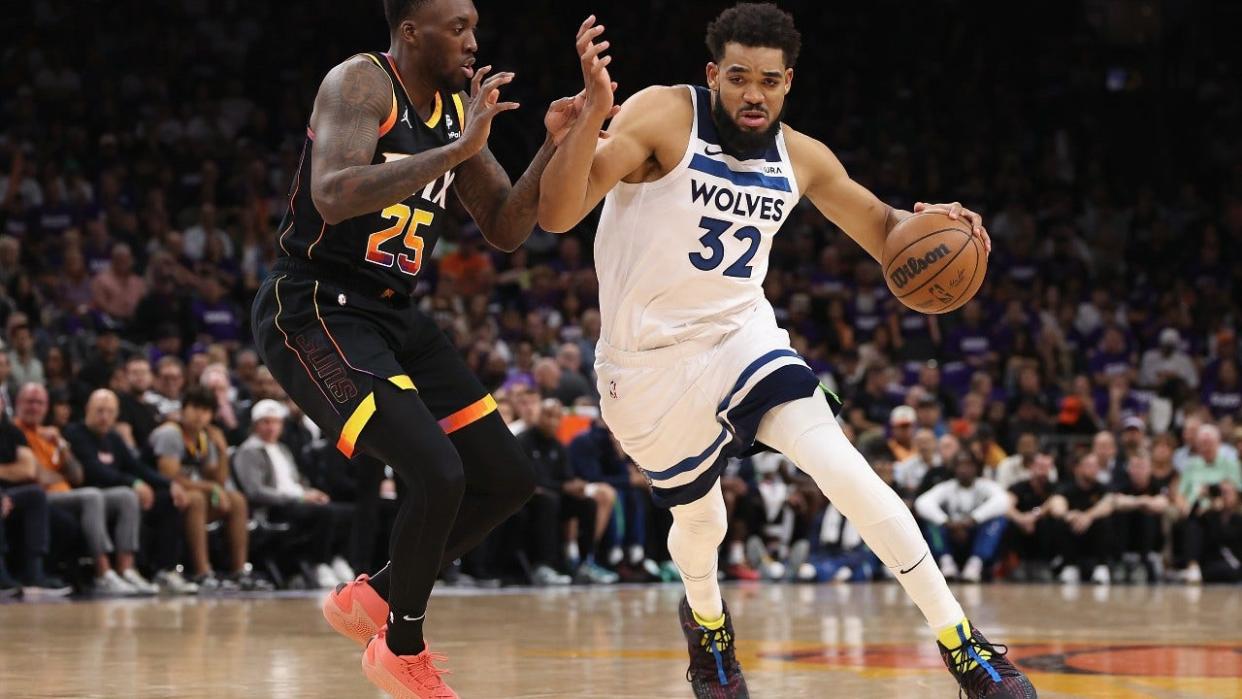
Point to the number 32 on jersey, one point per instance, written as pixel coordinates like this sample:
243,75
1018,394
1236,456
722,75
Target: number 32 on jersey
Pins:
716,228
407,221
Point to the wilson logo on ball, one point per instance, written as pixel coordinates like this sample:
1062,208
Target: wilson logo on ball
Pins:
909,270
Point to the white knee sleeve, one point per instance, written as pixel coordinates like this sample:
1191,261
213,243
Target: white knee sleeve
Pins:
694,543
806,431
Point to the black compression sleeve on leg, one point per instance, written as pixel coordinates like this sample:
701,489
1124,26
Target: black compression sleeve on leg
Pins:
403,434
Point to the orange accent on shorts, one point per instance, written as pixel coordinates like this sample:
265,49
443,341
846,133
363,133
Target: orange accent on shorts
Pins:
471,413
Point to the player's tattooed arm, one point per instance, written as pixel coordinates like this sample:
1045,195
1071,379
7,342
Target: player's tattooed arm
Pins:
354,99
505,213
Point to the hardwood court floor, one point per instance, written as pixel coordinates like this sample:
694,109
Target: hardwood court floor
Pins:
795,641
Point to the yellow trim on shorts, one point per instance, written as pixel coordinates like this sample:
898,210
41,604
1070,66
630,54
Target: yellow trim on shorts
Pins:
403,382
355,424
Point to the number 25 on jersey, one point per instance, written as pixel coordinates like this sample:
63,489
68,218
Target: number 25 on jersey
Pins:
407,221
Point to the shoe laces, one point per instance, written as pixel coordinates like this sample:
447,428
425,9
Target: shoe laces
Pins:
716,642
990,665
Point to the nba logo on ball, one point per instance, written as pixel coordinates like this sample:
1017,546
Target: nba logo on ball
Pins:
932,263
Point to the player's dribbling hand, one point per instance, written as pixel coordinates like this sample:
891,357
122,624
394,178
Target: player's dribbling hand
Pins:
484,105
956,211
599,86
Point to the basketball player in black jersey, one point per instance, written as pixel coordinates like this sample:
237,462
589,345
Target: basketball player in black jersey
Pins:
390,135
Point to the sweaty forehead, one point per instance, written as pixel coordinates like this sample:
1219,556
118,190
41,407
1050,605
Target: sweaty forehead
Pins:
742,59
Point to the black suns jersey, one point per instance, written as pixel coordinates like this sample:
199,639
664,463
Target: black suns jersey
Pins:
387,247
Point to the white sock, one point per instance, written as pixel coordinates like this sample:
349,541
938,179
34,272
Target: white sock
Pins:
571,552
694,542
737,553
636,554
806,431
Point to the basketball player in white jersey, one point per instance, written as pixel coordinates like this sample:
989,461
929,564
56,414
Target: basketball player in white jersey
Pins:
692,366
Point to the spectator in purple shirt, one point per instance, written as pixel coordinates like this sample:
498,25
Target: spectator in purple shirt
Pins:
215,315
1111,357
971,340
1224,395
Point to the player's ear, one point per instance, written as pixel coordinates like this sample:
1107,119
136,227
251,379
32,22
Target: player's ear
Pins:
713,75
408,31
788,79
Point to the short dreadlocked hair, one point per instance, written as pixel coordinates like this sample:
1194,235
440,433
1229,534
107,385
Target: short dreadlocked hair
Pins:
397,10
759,24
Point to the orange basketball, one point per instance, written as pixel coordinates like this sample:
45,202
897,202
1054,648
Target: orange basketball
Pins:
933,264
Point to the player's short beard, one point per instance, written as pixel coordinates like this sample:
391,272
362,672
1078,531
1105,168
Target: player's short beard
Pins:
744,142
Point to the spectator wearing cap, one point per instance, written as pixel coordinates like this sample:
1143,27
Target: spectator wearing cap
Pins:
1167,367
117,289
24,364
275,485
109,462
901,432
965,519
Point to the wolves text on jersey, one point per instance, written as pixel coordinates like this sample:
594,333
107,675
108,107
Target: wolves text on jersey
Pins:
742,204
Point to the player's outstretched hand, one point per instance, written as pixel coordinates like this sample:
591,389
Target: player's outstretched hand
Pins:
563,113
599,87
955,211
485,104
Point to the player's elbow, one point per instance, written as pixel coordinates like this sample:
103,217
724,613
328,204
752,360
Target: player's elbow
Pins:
554,221
327,204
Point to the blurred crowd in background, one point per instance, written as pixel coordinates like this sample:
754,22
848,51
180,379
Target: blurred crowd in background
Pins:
1079,420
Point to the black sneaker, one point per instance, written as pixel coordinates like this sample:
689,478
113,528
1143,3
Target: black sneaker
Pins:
249,582
714,672
982,670
9,588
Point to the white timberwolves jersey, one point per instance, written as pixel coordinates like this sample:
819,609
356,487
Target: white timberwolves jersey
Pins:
685,256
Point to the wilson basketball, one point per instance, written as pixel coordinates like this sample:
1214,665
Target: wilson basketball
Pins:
933,264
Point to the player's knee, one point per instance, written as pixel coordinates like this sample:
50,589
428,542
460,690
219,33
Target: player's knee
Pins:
443,473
